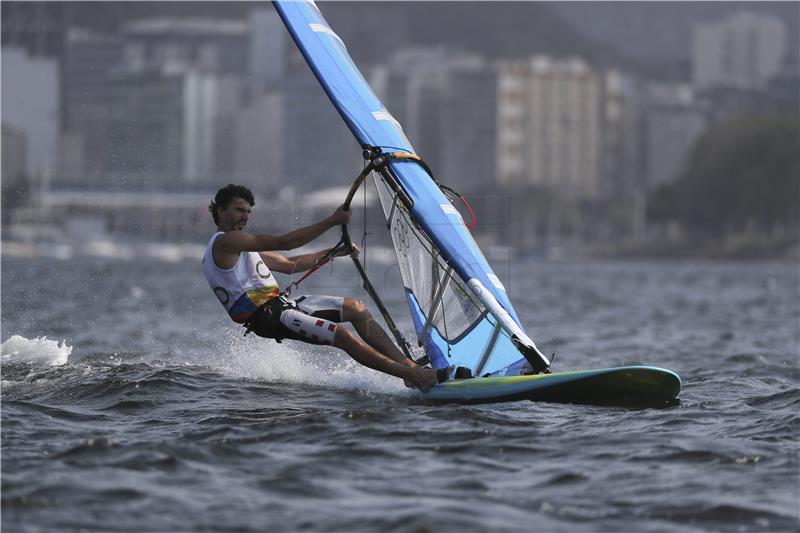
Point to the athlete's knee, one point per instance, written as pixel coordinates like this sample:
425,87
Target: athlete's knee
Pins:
343,337
355,309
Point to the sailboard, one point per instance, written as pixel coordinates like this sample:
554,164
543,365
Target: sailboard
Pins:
629,386
461,313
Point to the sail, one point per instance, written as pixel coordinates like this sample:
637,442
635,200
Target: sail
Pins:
460,309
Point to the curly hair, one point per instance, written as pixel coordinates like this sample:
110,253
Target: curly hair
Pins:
226,195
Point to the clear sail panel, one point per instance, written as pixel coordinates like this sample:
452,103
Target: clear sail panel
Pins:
450,322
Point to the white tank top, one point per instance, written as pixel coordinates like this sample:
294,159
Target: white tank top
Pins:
244,287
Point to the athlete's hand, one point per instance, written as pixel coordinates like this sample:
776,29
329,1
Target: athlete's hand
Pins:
340,216
354,251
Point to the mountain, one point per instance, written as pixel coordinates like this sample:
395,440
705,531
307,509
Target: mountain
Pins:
374,30
659,34
651,38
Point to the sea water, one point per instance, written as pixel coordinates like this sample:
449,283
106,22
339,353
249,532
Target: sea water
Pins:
130,402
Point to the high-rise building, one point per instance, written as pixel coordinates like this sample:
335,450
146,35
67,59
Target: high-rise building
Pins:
143,142
259,143
447,106
743,51
469,127
31,107
317,149
673,122
621,154
174,129
414,88
159,101
211,103
38,27
549,126
173,44
88,61
13,156
268,46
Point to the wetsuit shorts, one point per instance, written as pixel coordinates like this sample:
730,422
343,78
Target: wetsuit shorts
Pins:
313,321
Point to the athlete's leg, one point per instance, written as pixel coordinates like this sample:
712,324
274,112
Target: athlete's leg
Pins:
314,330
422,378
357,313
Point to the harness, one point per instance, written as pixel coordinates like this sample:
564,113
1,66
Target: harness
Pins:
267,318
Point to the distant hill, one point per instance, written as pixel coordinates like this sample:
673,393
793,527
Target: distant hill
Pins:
660,33
652,38
495,29
374,30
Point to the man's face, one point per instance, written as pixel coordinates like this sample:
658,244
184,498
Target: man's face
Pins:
234,216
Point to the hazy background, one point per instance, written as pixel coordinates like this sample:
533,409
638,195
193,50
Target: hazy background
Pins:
575,129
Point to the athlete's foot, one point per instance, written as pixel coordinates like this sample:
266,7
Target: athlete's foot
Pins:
424,378
527,370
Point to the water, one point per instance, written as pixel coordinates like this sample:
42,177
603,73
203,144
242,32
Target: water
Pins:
154,414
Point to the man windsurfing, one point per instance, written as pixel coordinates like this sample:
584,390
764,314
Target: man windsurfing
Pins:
238,266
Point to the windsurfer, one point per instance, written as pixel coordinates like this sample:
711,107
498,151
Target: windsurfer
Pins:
238,266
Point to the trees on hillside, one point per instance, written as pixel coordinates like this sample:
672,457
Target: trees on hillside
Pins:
742,175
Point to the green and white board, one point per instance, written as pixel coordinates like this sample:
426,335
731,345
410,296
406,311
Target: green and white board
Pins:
629,386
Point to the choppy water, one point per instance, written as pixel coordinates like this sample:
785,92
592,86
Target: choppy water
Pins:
154,414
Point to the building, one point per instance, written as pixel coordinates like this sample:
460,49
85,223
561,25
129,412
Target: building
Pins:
158,101
37,27
469,126
447,106
317,149
30,104
743,51
88,61
258,158
178,44
13,156
673,121
413,86
144,131
199,101
289,134
168,127
211,106
268,46
549,127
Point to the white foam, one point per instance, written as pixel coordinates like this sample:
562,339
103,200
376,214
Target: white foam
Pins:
249,358
41,350
265,360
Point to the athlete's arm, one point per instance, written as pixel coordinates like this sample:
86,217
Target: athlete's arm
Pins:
299,263
234,242
278,262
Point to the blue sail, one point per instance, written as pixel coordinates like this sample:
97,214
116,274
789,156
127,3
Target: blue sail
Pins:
488,334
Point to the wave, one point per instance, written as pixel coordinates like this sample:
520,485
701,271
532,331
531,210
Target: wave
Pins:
300,364
784,400
43,368
38,351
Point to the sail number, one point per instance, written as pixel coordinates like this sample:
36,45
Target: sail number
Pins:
401,237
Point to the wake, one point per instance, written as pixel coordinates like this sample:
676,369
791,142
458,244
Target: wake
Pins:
231,357
297,363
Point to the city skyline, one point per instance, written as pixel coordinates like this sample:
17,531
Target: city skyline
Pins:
186,103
